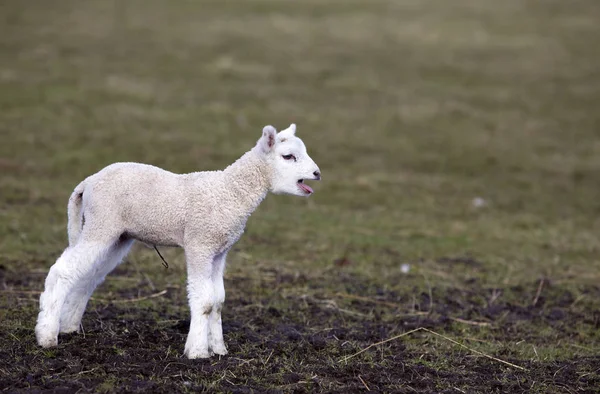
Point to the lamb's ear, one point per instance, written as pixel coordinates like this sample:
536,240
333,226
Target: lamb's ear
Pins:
292,129
267,141
287,133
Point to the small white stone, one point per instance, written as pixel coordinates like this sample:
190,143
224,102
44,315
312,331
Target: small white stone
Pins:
478,202
404,268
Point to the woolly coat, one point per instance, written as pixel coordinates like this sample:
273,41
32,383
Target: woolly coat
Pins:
159,207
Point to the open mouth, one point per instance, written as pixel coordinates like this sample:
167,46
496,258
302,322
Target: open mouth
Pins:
304,187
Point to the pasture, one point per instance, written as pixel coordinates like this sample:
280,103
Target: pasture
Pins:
454,236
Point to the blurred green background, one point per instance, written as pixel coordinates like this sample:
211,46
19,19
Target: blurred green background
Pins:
412,109
445,131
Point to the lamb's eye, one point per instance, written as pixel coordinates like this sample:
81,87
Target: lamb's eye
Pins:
289,157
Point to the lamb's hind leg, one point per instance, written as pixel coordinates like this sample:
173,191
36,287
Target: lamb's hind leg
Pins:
76,301
75,264
216,342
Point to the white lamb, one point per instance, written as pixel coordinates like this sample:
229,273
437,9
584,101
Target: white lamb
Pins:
203,212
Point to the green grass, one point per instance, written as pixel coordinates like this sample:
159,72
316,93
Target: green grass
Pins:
412,109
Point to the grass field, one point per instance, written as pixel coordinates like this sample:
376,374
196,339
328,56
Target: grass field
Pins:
458,139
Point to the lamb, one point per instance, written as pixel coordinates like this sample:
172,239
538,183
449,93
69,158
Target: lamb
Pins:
203,212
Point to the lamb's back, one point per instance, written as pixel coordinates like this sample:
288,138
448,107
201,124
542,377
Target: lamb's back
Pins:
142,200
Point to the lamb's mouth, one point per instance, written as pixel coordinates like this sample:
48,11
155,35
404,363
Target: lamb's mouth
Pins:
304,187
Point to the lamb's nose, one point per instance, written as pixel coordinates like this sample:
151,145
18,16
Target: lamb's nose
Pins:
317,174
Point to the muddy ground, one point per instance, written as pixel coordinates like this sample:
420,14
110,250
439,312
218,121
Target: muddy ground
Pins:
297,336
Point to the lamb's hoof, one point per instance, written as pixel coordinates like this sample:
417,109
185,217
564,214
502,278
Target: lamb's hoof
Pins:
196,354
47,340
46,337
221,350
193,352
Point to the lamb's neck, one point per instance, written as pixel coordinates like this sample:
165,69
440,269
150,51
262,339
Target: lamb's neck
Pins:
249,181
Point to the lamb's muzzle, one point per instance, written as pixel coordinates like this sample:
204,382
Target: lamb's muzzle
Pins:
203,212
304,187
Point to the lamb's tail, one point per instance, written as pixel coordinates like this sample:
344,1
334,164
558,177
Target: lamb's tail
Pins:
75,214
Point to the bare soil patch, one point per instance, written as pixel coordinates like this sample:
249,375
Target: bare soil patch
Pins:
289,341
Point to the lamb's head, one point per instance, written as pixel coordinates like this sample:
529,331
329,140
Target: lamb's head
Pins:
290,163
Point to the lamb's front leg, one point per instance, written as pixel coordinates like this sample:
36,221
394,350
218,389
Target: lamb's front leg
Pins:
201,296
215,337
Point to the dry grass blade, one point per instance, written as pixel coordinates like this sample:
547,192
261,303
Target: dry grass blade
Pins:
470,322
379,302
538,292
364,384
155,295
439,335
381,343
366,299
473,350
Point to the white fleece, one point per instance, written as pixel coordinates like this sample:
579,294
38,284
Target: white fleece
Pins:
203,212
